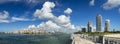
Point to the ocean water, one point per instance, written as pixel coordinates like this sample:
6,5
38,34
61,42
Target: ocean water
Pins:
35,39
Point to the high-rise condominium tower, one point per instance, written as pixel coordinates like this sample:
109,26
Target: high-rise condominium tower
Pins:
90,29
99,23
107,25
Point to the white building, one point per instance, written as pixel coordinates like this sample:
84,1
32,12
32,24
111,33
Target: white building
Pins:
89,27
99,23
111,39
107,25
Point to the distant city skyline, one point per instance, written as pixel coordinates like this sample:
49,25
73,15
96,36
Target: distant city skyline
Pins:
59,14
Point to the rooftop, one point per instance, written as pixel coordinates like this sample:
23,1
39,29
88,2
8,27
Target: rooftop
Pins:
113,35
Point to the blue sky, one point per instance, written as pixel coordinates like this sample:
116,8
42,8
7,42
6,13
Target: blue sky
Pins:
21,13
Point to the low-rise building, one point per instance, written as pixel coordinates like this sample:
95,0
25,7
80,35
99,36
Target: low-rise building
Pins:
111,39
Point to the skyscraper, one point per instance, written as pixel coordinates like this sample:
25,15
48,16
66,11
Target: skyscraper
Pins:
107,25
89,26
84,29
98,23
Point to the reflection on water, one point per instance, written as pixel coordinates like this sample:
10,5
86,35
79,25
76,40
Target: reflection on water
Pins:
35,39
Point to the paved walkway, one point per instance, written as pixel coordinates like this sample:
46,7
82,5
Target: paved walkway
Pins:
78,40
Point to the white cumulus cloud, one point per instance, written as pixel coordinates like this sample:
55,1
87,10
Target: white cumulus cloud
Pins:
31,26
68,26
45,12
68,11
110,4
92,2
3,17
48,25
54,23
62,19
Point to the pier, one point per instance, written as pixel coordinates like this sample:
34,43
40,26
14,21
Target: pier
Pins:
76,39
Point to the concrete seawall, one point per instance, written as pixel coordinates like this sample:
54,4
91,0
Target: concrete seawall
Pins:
76,39
87,39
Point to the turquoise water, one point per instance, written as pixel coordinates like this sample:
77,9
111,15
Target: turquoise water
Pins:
35,39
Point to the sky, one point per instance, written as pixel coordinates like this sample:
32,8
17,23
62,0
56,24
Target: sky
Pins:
57,14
